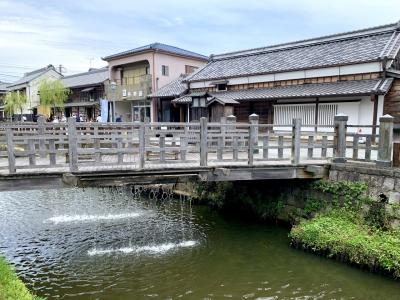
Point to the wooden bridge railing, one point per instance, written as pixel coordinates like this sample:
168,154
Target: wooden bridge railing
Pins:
75,146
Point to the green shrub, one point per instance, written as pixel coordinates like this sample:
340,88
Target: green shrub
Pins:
343,233
11,287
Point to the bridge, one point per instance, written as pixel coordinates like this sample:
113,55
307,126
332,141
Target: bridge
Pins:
157,152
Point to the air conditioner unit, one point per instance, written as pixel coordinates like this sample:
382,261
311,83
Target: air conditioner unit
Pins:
123,93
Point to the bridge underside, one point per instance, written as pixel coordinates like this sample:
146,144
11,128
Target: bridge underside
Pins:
162,176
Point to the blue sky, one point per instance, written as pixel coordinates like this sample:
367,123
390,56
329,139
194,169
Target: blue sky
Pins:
76,34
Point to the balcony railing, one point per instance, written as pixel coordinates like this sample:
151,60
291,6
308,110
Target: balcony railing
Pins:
135,88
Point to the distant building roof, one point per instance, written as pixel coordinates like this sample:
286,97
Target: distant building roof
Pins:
173,89
92,77
3,86
157,47
367,45
31,76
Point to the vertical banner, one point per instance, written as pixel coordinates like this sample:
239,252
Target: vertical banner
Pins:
104,110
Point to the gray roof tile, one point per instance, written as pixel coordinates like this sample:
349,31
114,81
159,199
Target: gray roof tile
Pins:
183,100
3,86
347,48
173,89
157,46
31,76
93,77
341,88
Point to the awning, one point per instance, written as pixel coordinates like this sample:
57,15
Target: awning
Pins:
87,89
81,104
340,88
221,100
182,100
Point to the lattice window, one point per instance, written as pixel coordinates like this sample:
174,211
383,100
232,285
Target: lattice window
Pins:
284,114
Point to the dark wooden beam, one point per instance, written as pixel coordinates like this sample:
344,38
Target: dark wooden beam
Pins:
374,99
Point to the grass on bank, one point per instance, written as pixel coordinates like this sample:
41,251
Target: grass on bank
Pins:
11,287
344,234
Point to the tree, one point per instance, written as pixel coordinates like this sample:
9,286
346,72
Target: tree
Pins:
53,93
14,102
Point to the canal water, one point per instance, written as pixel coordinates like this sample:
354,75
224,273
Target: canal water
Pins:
105,244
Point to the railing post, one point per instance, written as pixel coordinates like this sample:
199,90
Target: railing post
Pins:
203,142
253,137
142,144
385,141
254,120
296,140
234,141
339,151
73,145
10,151
42,143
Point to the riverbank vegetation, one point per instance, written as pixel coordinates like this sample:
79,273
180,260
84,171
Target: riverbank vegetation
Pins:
350,227
336,219
11,287
344,235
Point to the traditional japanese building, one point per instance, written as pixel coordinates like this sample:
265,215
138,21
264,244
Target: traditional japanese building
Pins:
356,73
86,90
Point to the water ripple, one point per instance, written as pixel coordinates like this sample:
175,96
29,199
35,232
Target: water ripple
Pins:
90,218
155,249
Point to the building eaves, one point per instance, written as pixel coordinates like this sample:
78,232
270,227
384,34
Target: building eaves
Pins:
173,89
340,88
28,77
157,47
93,77
339,50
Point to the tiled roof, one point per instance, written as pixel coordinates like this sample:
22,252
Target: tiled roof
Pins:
173,89
222,100
93,77
347,48
157,47
3,86
183,100
31,76
341,88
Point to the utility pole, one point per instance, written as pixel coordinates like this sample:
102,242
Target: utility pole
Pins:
61,69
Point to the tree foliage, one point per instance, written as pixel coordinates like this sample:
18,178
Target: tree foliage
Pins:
14,102
53,93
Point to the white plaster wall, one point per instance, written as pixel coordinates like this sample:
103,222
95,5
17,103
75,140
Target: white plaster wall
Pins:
32,89
176,65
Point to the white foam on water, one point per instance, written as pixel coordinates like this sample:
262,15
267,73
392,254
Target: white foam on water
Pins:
153,249
90,218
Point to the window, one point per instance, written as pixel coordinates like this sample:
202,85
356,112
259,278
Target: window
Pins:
221,87
199,102
165,70
190,69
